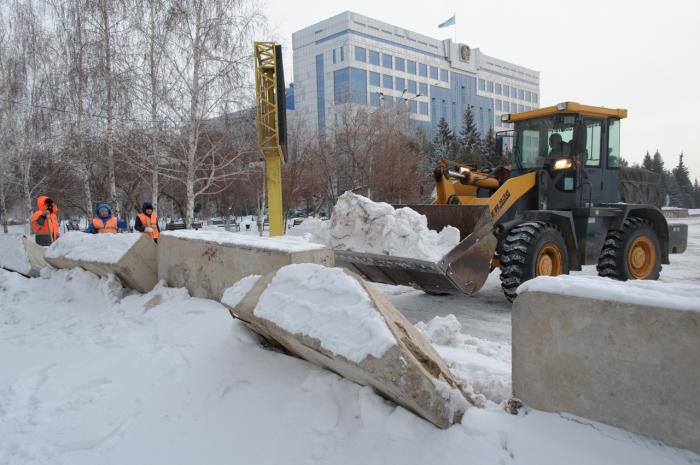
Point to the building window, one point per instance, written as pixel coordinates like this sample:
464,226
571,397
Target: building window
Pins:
387,81
433,72
528,95
400,84
499,89
412,87
374,99
361,54
521,94
506,106
535,96
521,108
388,101
506,90
333,56
411,67
423,108
399,64
482,84
423,88
444,75
499,105
373,58
413,106
489,86
422,69
387,61
342,53
374,79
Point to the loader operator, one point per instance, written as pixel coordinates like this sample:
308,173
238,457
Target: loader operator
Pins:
558,148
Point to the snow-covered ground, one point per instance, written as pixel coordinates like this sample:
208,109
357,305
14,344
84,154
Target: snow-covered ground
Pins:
91,374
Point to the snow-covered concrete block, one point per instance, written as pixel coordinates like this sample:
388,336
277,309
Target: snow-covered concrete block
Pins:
209,262
20,254
622,353
130,257
333,318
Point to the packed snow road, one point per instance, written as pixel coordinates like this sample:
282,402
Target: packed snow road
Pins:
486,314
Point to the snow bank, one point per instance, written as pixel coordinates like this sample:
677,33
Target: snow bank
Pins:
166,378
329,305
13,255
234,294
360,225
282,244
677,296
100,248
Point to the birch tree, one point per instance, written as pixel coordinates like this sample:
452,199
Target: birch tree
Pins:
208,65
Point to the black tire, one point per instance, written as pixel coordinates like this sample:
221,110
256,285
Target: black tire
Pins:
615,256
521,248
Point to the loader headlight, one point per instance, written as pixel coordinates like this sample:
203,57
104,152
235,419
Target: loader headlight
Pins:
463,170
563,164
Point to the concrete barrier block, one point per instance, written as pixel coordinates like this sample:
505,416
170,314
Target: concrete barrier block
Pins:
614,354
20,254
209,262
333,318
132,258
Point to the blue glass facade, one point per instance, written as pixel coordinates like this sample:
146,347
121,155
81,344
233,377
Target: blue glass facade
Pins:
320,93
350,86
289,97
451,103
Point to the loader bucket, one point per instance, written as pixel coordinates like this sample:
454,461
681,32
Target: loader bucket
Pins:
463,270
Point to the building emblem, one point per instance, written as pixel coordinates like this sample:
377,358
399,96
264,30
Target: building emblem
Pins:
464,52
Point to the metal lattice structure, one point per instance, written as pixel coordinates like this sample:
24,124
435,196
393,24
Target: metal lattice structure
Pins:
270,125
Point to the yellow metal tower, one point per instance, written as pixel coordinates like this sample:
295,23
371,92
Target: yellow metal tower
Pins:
271,124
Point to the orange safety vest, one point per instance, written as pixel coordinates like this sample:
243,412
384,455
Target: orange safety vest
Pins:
50,226
150,222
110,227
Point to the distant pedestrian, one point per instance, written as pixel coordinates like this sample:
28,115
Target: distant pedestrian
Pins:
104,222
44,221
147,222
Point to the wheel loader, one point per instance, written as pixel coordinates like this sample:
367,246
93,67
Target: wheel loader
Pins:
555,209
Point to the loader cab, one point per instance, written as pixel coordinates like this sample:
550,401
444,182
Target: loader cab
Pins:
574,148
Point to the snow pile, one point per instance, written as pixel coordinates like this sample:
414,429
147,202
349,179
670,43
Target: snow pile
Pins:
101,248
445,331
161,377
677,296
234,294
481,367
360,225
282,243
329,305
13,255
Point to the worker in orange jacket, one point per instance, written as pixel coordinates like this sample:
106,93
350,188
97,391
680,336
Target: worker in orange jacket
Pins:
147,222
44,221
105,222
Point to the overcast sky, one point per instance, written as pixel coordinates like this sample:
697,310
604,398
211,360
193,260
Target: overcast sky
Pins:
640,55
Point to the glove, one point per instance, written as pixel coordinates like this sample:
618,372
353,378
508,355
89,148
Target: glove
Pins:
46,212
149,230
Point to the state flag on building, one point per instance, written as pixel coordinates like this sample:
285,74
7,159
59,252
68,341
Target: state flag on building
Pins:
449,22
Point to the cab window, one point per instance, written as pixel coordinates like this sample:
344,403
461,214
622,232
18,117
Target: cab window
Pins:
591,155
614,143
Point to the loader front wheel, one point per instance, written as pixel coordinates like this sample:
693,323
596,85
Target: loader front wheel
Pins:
529,250
631,253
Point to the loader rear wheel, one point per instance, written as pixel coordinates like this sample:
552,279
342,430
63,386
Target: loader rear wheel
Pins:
631,253
531,249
